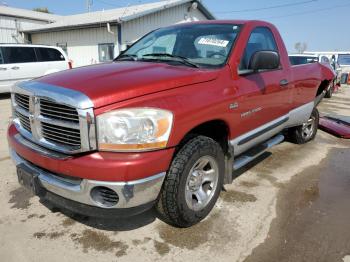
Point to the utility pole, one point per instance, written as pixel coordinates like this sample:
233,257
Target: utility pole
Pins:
88,5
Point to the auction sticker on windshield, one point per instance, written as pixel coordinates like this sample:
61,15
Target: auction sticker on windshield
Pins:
214,42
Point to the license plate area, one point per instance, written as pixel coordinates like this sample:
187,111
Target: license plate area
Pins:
29,179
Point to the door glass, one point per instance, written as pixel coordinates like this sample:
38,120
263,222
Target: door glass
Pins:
48,54
261,39
1,58
19,54
105,52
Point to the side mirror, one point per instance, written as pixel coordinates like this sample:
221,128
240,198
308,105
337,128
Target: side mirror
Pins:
264,60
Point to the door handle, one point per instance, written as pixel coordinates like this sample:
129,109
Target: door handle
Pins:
284,83
3,68
15,68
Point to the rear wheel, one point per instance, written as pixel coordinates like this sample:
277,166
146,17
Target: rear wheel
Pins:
307,131
329,93
193,183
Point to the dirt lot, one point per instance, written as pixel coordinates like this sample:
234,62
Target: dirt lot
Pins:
290,205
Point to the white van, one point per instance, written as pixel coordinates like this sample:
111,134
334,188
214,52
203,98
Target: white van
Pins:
20,62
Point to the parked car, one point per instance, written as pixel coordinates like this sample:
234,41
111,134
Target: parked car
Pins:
301,59
340,61
166,123
23,62
344,65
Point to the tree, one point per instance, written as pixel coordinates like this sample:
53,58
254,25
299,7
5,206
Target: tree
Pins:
300,47
42,9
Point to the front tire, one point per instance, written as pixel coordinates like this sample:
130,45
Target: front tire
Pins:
193,183
307,131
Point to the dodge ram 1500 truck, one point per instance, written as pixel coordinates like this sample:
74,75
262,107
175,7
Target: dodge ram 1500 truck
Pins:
166,123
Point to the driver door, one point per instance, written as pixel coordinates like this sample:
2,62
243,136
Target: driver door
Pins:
263,97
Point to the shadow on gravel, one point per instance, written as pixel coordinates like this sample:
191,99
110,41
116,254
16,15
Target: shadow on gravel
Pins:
128,223
108,224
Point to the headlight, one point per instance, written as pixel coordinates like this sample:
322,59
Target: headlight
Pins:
134,129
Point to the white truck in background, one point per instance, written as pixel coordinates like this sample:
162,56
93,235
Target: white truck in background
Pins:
340,61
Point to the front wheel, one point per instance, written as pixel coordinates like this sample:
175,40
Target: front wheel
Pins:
307,131
193,183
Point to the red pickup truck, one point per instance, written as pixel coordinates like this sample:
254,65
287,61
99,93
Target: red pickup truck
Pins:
166,123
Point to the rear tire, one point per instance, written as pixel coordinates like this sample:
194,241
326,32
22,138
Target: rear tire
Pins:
329,93
193,183
307,131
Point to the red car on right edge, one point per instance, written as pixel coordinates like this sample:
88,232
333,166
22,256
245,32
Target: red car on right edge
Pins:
166,122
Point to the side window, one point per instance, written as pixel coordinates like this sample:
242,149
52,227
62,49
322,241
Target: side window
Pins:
105,52
1,57
261,39
18,55
48,54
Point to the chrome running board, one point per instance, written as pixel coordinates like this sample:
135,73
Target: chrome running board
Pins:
253,153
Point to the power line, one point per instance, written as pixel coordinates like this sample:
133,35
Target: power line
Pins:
307,12
266,8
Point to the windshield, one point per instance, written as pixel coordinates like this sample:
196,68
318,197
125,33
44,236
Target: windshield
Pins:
201,45
344,59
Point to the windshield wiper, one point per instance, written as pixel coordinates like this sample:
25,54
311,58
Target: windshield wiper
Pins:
126,57
178,58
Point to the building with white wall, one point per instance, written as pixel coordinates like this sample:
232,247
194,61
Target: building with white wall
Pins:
13,21
99,36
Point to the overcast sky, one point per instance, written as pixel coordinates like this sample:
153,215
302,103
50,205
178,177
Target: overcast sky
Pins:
323,24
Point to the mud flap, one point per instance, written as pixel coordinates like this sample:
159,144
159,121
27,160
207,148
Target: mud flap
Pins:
319,98
229,165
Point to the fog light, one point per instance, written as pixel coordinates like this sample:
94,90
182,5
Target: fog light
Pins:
104,196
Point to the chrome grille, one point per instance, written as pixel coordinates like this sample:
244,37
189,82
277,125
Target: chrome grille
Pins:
54,117
58,133
24,120
56,111
22,101
62,135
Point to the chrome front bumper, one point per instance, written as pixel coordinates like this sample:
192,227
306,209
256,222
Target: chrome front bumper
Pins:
131,194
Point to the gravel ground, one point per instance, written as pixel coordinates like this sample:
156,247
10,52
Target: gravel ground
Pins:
292,204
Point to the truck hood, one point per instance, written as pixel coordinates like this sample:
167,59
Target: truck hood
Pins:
109,83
